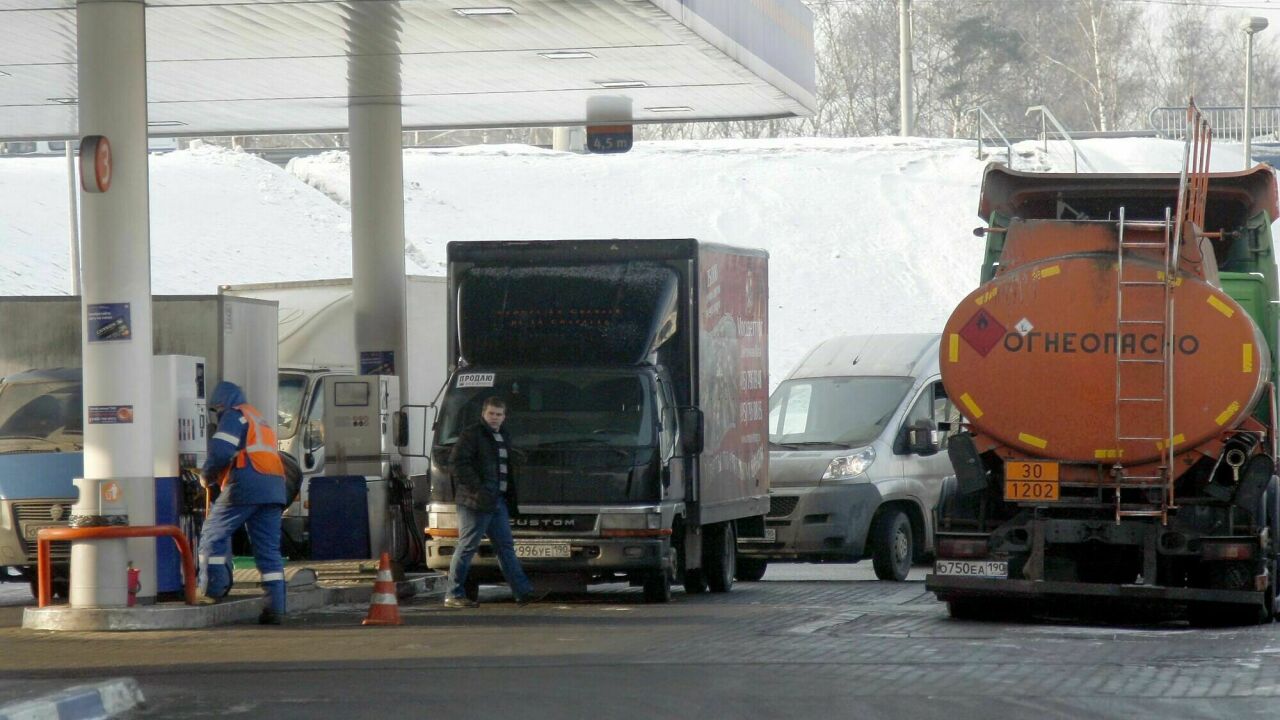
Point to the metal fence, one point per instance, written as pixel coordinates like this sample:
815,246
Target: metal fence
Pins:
1227,122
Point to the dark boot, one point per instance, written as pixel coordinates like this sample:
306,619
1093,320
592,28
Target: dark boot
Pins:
270,617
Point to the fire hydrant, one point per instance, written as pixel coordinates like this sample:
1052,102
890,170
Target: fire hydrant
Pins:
134,584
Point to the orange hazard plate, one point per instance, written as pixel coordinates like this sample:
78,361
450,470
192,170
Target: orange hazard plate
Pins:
1025,480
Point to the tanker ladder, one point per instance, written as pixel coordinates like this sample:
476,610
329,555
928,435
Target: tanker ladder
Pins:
1135,368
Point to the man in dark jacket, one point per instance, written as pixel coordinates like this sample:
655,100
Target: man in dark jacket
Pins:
483,482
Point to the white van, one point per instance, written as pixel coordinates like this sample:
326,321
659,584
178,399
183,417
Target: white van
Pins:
857,455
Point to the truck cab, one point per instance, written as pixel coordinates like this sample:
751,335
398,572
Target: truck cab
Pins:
300,432
857,445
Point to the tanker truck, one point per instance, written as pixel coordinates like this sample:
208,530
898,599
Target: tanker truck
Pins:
1116,372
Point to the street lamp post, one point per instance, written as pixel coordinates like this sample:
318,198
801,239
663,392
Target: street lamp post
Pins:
1250,26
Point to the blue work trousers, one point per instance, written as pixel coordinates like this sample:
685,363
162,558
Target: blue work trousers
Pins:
473,525
215,548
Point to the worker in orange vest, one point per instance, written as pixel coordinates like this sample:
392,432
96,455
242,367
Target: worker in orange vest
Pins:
244,462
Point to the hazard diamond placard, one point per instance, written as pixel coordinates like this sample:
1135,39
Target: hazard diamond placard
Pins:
983,332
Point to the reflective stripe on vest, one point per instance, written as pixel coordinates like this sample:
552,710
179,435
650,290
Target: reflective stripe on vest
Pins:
260,447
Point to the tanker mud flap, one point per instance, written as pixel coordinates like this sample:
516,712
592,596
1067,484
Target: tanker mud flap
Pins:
950,587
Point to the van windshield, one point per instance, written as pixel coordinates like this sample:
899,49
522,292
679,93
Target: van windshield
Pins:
834,410
41,416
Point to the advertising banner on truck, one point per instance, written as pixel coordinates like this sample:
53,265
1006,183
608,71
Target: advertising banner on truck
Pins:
733,373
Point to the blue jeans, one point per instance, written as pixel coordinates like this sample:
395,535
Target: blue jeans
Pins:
215,549
473,525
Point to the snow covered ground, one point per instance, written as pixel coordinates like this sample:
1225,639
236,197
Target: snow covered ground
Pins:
865,235
216,217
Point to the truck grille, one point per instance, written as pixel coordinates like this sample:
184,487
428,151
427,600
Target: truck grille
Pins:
782,505
31,515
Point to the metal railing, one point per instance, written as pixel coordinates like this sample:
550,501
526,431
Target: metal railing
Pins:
1047,118
983,116
1227,122
44,563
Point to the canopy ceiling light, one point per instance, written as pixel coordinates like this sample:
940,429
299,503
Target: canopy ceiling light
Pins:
481,11
567,55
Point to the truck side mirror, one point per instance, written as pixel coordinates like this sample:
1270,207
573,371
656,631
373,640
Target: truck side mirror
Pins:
921,440
691,430
412,423
313,436
400,428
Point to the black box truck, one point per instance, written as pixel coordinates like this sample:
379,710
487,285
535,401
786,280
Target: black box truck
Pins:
635,374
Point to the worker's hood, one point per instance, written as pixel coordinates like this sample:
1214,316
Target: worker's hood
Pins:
226,395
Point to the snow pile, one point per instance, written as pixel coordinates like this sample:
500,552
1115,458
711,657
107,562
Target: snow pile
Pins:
866,234
216,217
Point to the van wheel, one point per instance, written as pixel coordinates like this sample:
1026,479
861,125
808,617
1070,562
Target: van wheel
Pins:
892,545
720,553
750,569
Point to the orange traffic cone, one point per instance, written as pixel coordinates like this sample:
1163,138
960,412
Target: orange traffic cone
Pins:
383,608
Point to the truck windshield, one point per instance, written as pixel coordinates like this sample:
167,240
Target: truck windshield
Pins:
560,408
834,410
289,403
41,416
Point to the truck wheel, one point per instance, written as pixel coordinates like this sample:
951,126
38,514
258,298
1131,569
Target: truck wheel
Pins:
657,587
891,544
720,554
751,569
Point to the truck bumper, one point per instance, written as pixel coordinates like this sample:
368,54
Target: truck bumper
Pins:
948,588
588,556
818,523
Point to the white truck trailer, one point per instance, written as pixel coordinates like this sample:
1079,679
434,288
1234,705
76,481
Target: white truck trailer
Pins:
317,340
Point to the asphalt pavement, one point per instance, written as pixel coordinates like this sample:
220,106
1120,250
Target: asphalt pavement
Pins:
809,641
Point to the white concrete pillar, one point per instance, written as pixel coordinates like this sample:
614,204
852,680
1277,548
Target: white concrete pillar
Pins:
116,304
377,236
377,189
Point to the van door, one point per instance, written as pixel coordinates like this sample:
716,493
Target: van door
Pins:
923,468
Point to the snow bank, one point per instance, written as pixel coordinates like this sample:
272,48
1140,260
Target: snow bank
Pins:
216,217
866,235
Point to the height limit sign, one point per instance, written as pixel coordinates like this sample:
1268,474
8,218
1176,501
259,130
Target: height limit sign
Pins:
607,139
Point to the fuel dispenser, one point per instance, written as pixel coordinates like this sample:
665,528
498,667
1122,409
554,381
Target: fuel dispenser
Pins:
362,422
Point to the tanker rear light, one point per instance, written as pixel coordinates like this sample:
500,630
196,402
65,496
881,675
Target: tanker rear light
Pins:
962,548
1227,551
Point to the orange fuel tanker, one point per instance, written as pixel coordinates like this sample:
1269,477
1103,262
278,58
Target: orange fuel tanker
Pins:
1116,373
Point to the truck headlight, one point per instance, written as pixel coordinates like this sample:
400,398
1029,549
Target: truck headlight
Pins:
630,521
849,466
442,520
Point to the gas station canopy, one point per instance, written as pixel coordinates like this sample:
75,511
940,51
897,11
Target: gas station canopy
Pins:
221,67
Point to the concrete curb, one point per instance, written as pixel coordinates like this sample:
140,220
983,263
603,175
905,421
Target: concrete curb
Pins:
190,617
101,700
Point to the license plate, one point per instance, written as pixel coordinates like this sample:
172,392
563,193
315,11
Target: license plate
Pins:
536,551
29,532
972,568
1030,490
770,535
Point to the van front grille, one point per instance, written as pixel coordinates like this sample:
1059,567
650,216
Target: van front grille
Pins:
782,505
